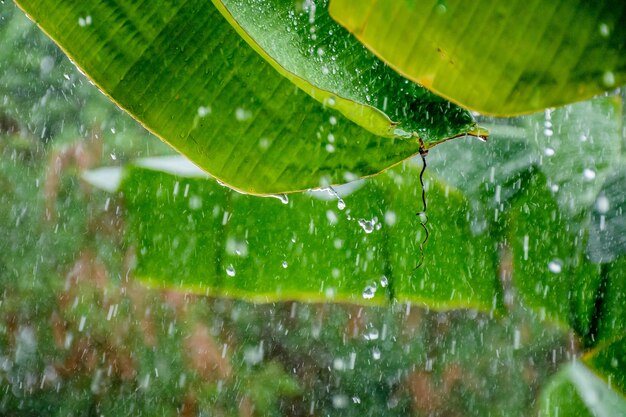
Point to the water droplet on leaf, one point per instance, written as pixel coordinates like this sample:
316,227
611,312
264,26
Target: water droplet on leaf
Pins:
369,292
608,79
555,266
384,281
604,30
376,354
367,225
602,204
589,174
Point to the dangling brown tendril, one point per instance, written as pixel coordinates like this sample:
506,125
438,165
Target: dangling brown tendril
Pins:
422,214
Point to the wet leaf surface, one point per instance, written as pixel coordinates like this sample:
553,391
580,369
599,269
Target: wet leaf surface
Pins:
503,59
192,234
186,75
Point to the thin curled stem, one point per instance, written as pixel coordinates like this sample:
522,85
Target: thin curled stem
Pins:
422,213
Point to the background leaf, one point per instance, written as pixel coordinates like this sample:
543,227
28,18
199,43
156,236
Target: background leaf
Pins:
536,186
607,233
577,391
609,361
500,59
191,233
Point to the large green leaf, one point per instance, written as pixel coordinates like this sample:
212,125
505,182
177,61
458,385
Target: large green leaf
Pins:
303,43
191,233
185,74
497,58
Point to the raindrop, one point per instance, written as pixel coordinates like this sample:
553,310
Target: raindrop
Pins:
555,266
367,225
264,143
230,270
384,281
517,338
84,21
548,152
369,292
589,174
242,114
330,148
236,247
203,111
332,120
81,325
282,197
422,217
331,101
340,401
195,202
390,218
371,335
604,30
332,217
254,355
285,264
526,241
376,354
548,132
339,364
602,204
340,203
113,157
46,65
67,343
608,79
